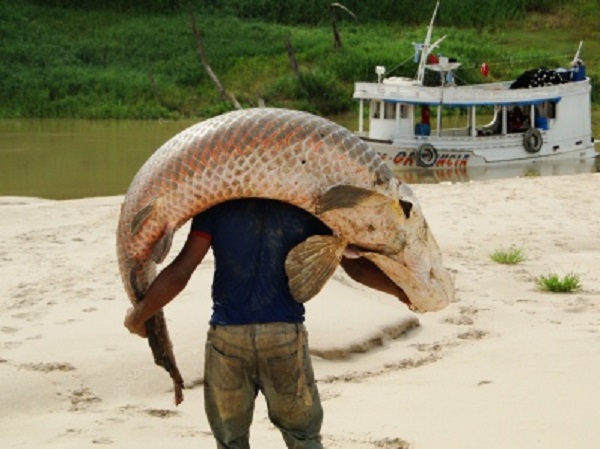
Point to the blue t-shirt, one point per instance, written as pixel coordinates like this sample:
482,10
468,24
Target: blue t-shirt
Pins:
250,239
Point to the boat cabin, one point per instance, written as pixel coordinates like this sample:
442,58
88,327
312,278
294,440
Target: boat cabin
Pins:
392,117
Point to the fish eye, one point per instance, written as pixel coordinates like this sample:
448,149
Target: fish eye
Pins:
406,208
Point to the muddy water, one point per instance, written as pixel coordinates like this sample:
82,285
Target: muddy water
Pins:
62,159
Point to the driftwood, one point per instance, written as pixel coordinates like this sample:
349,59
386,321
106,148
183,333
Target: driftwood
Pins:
225,95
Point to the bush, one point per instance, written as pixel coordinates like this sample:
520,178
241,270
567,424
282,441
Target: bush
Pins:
510,256
554,283
316,91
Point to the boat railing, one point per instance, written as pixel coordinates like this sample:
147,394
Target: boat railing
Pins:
456,132
456,141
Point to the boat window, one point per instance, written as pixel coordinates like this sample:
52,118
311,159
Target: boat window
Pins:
544,113
518,119
551,109
390,110
493,115
404,111
375,107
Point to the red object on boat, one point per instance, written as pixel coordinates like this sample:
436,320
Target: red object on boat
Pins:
432,59
484,69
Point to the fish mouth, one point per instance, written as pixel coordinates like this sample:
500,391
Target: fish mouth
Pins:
363,269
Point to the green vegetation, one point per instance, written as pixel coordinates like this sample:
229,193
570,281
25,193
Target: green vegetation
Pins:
132,59
554,283
454,12
509,256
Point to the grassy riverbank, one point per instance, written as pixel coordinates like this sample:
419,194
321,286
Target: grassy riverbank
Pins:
106,63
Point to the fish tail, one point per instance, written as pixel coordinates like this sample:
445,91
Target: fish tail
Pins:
162,350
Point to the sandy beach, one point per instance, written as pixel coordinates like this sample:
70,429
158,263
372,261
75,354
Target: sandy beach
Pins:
505,366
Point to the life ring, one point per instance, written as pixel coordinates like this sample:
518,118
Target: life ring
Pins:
532,140
427,155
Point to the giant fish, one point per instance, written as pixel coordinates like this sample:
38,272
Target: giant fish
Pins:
290,156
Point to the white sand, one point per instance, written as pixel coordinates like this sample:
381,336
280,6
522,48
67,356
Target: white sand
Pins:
505,366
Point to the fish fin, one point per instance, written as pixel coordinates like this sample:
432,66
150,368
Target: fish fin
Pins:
347,196
162,246
140,217
311,263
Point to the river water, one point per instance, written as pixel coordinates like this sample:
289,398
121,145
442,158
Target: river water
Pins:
61,159
65,159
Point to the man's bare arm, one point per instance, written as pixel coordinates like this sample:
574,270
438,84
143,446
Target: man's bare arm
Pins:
168,284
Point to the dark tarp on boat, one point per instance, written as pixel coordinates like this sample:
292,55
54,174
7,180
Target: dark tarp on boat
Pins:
537,78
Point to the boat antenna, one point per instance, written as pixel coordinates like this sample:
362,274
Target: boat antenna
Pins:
576,59
426,48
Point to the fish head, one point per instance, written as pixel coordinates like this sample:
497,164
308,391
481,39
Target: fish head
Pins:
389,229
412,259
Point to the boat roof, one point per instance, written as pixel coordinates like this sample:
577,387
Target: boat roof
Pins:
402,90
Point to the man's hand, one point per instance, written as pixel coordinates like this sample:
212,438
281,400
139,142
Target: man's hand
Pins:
168,284
134,324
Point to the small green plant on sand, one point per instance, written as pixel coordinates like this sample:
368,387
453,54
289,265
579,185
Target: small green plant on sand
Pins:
554,283
531,173
509,256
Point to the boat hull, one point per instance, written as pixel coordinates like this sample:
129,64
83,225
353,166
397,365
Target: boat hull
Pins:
432,155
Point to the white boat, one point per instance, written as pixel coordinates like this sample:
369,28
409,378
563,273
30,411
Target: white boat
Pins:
415,125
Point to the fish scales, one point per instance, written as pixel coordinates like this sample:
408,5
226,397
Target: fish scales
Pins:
279,154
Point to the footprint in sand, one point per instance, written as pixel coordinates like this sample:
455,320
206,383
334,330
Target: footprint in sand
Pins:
391,443
34,337
473,334
461,320
383,443
161,413
47,367
82,398
11,344
465,317
579,305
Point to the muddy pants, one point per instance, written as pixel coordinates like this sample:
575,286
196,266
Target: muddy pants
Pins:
272,358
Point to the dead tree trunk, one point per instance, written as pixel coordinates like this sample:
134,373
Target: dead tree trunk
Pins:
292,57
337,40
227,96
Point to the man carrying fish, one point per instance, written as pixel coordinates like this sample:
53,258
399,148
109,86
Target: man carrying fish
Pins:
257,340
336,203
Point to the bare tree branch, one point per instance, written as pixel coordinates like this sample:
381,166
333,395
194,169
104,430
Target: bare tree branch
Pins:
337,40
225,95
